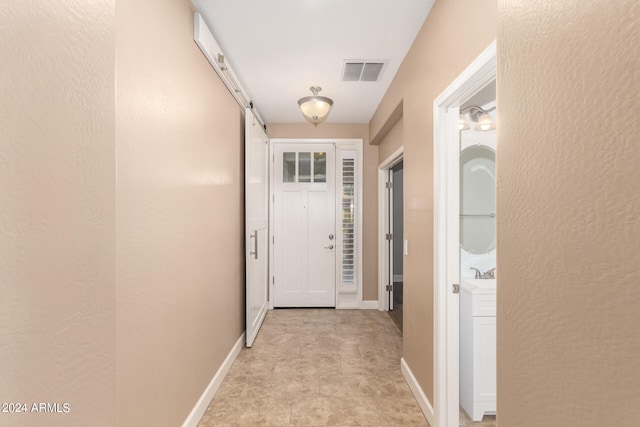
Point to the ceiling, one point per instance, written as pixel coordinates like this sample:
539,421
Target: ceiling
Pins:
280,48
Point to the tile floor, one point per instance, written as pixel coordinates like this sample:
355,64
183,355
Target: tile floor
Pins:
318,367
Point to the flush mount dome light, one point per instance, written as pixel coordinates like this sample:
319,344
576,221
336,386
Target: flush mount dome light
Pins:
315,108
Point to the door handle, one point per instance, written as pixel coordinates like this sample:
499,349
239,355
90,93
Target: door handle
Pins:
254,236
329,247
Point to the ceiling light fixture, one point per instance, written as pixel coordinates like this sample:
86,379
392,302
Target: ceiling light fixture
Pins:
315,108
477,115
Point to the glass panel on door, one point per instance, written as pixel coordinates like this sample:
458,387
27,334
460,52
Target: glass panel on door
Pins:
304,167
289,167
320,167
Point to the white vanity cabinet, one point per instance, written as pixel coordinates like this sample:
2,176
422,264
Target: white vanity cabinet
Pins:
478,347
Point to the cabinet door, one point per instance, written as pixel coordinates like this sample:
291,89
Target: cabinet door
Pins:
484,371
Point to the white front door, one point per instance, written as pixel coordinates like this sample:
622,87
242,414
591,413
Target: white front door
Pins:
256,224
304,225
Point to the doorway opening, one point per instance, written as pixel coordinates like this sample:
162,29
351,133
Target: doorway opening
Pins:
395,250
447,231
391,244
478,259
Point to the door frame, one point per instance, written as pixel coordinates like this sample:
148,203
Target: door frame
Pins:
385,263
446,166
343,300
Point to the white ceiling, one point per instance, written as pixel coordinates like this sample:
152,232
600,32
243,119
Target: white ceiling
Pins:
279,48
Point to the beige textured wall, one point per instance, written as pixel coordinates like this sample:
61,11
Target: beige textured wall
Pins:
454,34
568,206
369,187
179,217
57,211
391,142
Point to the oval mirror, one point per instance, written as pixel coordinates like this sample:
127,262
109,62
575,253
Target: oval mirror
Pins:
478,199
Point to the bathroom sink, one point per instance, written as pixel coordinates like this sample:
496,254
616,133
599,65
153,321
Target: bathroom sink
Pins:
484,286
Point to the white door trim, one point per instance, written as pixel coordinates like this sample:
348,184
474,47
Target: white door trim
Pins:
351,301
383,221
446,110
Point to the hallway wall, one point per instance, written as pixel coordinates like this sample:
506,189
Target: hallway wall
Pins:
454,34
369,187
57,211
568,205
391,142
180,290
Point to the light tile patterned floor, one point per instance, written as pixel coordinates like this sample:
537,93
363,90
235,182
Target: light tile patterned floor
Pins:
319,367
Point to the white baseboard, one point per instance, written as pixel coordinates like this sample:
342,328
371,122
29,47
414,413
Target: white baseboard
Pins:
201,406
369,304
398,278
423,402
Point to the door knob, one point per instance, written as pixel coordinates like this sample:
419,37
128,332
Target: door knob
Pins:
329,247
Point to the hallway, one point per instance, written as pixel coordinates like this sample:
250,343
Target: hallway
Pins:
318,367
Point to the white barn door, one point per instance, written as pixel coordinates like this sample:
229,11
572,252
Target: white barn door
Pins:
256,224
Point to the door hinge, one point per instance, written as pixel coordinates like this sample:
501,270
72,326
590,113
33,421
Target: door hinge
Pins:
389,185
389,236
389,288
455,288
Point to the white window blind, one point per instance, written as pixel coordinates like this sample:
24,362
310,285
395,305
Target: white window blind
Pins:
348,223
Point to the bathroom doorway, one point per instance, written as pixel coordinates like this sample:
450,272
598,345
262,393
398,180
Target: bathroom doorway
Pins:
447,230
478,257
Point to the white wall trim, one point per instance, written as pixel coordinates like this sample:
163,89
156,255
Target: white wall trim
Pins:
369,304
199,409
417,391
446,109
383,218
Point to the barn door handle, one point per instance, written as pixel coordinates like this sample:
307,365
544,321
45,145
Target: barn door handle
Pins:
254,236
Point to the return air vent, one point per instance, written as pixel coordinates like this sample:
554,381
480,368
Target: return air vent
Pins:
362,71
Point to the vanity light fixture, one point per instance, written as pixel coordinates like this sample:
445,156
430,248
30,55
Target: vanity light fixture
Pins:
315,108
477,115
462,123
485,123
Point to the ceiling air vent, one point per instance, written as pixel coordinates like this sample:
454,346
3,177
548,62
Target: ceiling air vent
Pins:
362,71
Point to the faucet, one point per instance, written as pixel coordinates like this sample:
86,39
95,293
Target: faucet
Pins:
478,273
489,274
